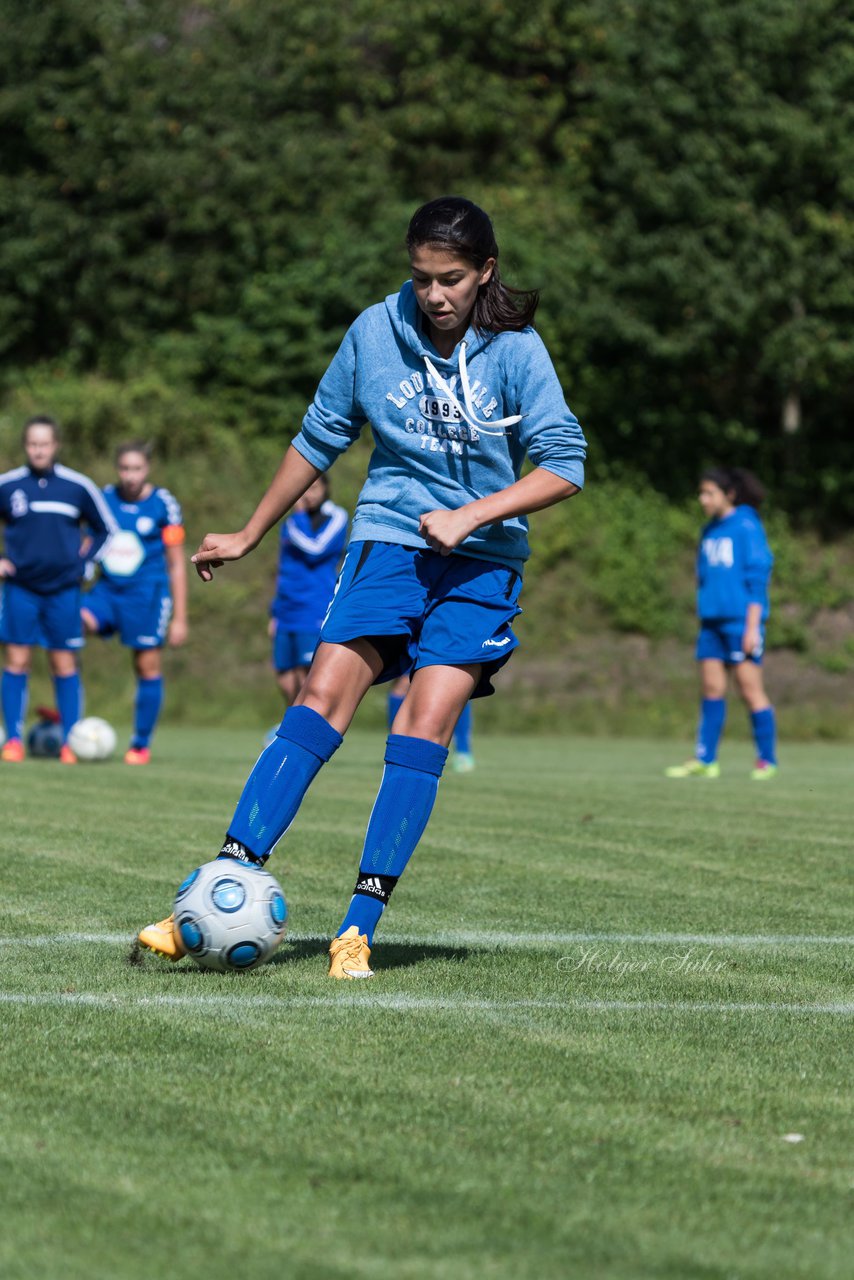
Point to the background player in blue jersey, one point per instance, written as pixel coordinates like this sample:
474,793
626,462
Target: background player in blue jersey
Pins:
458,389
311,544
142,591
733,572
45,506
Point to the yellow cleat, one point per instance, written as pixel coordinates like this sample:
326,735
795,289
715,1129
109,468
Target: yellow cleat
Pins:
764,771
694,769
163,939
349,955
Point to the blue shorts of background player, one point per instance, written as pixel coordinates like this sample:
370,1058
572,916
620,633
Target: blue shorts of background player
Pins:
47,621
292,648
422,609
723,641
140,615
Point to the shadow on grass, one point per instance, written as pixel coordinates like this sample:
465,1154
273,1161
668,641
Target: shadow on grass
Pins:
393,955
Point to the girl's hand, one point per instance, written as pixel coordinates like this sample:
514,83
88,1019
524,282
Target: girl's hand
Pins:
215,549
751,641
177,633
443,531
7,569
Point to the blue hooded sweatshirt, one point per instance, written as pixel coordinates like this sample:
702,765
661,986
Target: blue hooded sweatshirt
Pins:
446,431
733,567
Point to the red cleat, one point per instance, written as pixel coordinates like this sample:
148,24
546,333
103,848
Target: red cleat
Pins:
13,751
66,755
137,755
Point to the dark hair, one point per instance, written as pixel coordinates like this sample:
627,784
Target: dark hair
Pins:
42,420
460,227
133,446
743,485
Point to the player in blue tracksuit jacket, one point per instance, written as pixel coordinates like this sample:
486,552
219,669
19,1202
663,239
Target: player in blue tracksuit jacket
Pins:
45,506
458,389
142,591
733,571
311,544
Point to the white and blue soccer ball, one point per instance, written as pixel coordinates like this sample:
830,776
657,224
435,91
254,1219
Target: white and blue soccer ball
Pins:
92,739
230,916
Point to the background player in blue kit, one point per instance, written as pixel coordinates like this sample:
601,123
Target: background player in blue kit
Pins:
142,591
733,572
311,544
45,506
458,389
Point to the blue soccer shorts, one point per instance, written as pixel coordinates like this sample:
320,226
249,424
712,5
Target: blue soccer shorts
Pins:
293,648
722,640
140,614
422,609
49,621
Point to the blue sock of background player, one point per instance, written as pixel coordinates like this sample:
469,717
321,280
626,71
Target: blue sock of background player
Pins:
13,691
395,702
146,710
710,728
69,700
462,733
764,726
401,811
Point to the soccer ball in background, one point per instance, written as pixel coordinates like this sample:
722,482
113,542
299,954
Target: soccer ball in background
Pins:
45,738
92,739
230,917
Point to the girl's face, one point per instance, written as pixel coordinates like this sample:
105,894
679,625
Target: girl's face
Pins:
714,500
132,470
446,287
314,497
40,446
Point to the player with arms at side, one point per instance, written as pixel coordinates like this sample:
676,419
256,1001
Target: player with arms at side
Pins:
458,389
45,507
311,544
733,572
142,591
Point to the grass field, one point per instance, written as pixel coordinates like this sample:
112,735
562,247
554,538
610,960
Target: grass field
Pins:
605,1002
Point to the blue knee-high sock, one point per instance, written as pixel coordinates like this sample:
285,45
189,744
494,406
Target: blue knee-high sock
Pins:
274,790
402,808
462,733
394,705
13,692
710,728
764,725
69,700
146,710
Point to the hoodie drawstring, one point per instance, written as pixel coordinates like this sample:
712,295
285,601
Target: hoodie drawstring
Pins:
468,411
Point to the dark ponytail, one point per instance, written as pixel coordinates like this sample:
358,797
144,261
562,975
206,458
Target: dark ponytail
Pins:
743,485
461,228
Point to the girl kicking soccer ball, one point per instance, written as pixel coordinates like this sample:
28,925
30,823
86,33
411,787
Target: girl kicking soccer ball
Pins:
733,571
458,389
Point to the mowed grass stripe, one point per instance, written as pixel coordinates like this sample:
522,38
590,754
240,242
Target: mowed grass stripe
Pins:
219,1005
491,939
